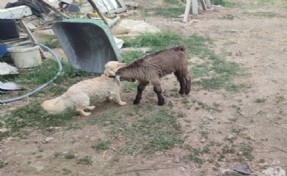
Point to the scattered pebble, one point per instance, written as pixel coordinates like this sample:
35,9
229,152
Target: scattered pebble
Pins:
273,171
48,139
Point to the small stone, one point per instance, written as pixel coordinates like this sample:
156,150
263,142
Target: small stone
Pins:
230,136
39,168
273,171
203,140
48,139
176,160
3,130
210,118
182,169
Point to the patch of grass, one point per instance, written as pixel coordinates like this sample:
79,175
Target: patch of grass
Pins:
32,115
200,70
227,17
218,2
214,107
279,99
195,154
231,87
129,86
86,160
42,74
52,44
227,150
69,155
144,128
219,75
66,171
129,57
3,164
265,14
246,150
196,44
166,12
260,100
101,145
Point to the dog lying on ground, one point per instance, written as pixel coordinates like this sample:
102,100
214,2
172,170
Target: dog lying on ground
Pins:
80,95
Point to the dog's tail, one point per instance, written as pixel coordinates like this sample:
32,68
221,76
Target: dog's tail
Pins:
56,105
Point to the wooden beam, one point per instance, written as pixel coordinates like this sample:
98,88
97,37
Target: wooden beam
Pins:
186,12
208,4
195,7
203,4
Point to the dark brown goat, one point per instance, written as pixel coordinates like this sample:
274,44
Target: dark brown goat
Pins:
151,68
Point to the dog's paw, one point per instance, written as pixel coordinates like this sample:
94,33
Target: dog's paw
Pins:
86,114
122,103
90,107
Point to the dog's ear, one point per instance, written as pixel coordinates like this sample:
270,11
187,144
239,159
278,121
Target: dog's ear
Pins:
120,65
109,72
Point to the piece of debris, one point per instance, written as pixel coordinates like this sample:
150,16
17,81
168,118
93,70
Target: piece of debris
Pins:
144,50
9,86
6,69
273,171
242,168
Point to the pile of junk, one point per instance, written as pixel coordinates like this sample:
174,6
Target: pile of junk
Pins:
86,31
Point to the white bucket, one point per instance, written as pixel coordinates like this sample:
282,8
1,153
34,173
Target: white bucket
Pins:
26,56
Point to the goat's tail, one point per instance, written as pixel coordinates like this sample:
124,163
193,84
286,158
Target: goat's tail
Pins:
179,48
188,83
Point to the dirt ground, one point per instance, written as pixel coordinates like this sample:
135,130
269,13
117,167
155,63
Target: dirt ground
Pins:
255,117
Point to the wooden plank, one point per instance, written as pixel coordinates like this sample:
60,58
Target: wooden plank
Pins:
195,7
186,12
208,4
203,4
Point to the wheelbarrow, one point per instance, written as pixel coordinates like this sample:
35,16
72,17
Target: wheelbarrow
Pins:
88,43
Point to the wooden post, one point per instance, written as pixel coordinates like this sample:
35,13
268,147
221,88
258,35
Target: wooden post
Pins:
203,4
95,8
208,4
186,12
195,7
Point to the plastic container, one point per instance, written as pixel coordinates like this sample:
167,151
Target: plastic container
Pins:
25,56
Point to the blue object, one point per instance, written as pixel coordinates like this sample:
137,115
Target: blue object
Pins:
72,8
3,49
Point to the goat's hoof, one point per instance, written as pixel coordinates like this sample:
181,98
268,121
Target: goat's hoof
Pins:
160,103
136,102
181,92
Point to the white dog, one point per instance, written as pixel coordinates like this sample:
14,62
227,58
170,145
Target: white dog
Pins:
80,95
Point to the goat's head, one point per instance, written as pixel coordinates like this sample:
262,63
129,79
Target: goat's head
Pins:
124,74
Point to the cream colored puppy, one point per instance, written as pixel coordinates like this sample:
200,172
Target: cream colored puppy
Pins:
112,66
80,95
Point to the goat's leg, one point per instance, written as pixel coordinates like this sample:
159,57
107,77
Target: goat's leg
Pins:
187,77
140,89
157,89
181,81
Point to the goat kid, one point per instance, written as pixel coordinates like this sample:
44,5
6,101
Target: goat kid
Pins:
151,68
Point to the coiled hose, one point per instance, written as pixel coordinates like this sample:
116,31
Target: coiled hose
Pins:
60,68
